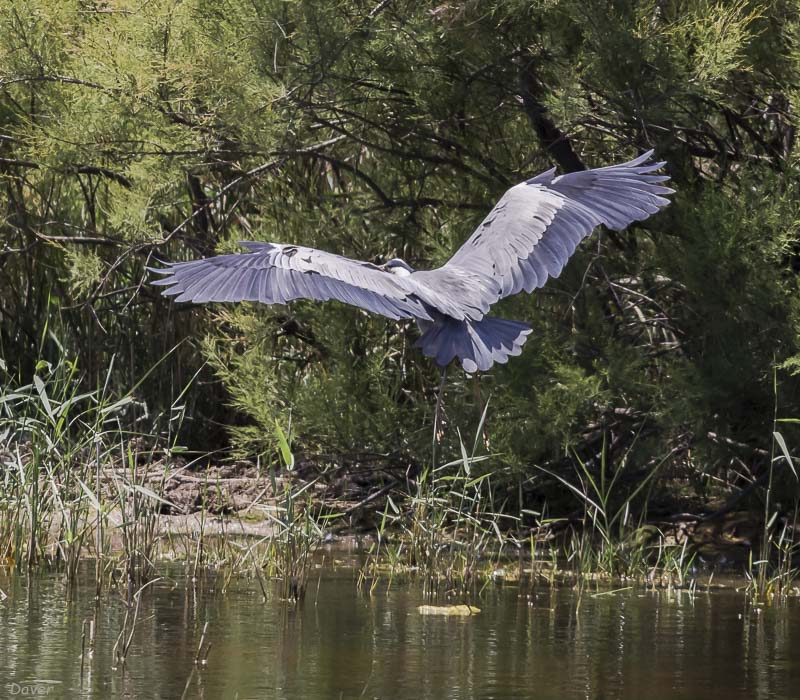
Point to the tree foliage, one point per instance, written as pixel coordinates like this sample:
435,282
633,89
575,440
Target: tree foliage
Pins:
131,133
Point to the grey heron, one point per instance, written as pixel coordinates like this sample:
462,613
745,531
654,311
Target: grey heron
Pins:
525,239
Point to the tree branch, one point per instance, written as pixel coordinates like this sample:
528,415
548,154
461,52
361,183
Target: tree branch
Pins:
551,137
80,169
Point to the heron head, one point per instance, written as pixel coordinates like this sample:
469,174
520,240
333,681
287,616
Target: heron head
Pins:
398,267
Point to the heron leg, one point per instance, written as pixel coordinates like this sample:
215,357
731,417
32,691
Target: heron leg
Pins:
437,416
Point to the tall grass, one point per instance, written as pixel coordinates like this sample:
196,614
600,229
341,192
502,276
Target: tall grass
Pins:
773,574
49,434
74,473
298,527
450,533
611,542
70,470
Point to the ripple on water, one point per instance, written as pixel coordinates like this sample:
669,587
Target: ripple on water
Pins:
341,643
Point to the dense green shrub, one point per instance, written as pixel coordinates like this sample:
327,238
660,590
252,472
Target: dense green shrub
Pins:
131,133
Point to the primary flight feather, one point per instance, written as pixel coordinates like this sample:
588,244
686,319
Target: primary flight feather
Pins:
526,238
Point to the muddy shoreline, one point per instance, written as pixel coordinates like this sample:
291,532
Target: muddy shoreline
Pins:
239,499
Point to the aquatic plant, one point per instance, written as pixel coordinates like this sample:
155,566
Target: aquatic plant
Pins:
612,543
299,530
772,576
448,533
73,468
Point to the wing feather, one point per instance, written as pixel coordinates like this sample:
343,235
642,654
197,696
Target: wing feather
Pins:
536,226
274,273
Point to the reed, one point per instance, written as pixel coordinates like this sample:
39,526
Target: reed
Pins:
611,543
49,433
298,526
72,470
771,577
449,533
75,472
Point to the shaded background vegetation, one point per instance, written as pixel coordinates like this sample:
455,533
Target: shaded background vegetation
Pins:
135,132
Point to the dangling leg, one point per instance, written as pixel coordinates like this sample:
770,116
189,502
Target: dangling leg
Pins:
437,416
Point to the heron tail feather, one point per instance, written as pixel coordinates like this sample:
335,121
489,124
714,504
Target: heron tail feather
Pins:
476,344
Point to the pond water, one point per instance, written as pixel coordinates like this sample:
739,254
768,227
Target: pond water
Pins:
341,643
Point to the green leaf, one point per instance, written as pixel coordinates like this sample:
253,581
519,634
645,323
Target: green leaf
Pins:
150,494
90,495
283,444
42,391
782,444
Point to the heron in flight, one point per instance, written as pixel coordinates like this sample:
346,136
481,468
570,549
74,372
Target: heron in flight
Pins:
526,238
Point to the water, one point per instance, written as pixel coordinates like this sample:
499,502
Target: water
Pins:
344,644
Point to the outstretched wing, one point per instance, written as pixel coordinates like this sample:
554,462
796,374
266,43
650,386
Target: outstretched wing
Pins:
536,226
274,273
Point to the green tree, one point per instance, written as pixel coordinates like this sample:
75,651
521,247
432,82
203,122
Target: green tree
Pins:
132,133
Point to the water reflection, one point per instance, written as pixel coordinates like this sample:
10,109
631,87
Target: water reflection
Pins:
341,644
